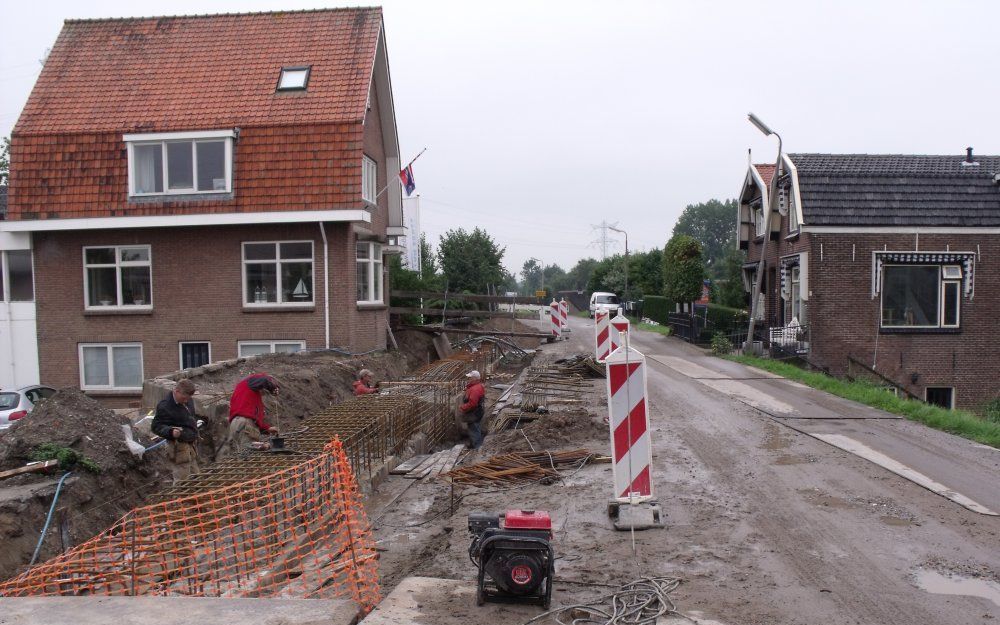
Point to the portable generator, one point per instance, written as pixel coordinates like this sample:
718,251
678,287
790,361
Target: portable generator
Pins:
513,553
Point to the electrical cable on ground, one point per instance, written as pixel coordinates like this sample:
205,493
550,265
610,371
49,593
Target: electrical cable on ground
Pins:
639,602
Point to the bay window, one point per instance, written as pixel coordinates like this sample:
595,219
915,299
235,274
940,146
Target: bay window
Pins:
278,273
180,163
118,276
369,278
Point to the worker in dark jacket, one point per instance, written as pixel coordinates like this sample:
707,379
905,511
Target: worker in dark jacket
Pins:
247,415
473,409
364,384
175,421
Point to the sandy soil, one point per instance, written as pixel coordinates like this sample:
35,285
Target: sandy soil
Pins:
764,524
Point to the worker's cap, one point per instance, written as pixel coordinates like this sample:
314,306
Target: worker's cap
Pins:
473,374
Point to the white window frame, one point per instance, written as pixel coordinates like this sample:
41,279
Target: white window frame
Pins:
758,222
793,213
5,261
374,262
270,344
942,282
118,265
953,395
277,261
369,179
180,350
163,138
111,365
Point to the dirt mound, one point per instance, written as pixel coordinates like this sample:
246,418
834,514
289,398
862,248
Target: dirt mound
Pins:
570,429
89,501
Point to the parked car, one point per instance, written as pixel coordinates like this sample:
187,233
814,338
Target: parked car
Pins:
606,302
17,404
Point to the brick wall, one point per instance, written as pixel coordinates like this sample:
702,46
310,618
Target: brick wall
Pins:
197,296
302,167
845,318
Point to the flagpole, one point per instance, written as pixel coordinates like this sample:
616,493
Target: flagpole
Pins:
403,169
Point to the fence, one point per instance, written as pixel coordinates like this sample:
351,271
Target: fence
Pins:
299,532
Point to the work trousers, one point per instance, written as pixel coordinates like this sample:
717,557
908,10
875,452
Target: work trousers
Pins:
184,459
242,432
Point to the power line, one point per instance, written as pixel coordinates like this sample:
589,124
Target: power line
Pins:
604,241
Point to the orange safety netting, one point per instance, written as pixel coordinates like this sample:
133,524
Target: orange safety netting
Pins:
301,532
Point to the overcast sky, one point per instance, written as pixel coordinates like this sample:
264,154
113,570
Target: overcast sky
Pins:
542,119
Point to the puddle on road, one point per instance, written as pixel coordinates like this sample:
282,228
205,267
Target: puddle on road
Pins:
786,459
896,521
940,584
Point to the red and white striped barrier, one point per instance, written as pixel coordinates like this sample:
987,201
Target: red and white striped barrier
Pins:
619,331
564,314
602,335
555,319
628,416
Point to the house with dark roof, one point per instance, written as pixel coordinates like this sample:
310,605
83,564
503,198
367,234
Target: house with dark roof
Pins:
886,266
201,188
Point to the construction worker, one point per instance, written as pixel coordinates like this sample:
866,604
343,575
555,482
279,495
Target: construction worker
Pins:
364,385
472,408
175,421
247,415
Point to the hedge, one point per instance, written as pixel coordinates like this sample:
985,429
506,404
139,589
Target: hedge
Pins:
656,308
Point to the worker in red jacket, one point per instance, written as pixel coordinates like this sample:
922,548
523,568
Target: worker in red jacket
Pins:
472,409
364,384
247,415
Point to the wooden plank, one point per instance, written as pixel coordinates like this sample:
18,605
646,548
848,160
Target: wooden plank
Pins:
31,468
421,469
453,330
405,467
466,297
449,460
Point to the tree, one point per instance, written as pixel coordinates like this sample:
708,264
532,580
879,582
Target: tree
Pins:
729,289
531,273
683,269
470,261
713,224
4,160
578,277
428,266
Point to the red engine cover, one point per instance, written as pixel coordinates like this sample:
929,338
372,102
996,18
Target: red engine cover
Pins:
527,520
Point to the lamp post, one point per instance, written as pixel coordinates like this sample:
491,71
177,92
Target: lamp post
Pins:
771,199
625,294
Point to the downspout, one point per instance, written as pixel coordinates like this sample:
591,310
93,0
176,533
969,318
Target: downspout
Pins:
326,283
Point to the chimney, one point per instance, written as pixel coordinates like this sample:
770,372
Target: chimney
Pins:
969,160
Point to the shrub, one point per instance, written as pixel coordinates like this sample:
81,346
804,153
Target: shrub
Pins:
992,410
69,459
721,344
656,308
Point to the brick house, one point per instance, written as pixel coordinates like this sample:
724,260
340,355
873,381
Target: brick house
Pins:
884,262
200,188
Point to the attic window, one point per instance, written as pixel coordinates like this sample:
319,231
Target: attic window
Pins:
293,78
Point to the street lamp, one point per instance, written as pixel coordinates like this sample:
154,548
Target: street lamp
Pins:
625,294
771,199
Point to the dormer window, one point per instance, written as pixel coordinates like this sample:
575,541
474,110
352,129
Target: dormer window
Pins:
293,78
180,163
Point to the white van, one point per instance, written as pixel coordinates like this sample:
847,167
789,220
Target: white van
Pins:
606,302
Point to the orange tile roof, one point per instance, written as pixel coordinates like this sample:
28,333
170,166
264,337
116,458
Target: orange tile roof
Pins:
766,172
200,72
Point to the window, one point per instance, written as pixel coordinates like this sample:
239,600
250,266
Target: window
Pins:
16,277
369,273
793,217
179,163
943,396
758,221
111,366
369,180
278,273
921,296
256,348
293,78
118,276
195,354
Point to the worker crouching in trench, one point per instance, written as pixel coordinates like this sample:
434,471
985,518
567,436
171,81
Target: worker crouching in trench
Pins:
247,415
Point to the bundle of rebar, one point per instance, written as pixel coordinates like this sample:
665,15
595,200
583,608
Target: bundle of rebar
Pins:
517,467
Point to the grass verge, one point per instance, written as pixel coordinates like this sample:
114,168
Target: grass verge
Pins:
959,422
648,327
